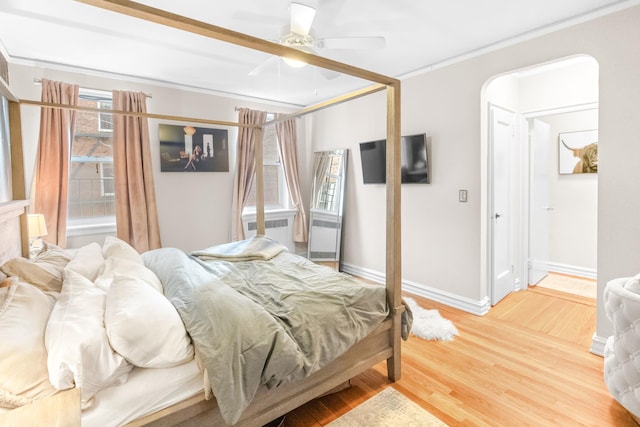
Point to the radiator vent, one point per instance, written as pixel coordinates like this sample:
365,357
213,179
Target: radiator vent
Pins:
322,255
275,223
325,224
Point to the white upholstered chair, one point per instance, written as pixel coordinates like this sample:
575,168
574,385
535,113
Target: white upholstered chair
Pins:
622,351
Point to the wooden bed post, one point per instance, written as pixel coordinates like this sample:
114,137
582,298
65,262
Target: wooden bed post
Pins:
18,186
394,243
260,228
17,160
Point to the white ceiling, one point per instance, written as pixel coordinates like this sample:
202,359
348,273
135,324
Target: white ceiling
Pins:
419,33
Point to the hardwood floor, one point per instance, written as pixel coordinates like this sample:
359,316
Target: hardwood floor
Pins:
571,284
527,362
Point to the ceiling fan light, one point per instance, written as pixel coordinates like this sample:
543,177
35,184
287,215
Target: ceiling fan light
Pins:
294,63
297,63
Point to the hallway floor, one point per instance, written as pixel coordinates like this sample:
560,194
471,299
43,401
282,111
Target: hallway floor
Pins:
570,284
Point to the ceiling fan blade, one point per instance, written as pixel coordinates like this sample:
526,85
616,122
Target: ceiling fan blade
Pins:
329,74
260,68
301,18
352,43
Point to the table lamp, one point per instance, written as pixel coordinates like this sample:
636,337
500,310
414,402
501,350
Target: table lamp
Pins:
37,229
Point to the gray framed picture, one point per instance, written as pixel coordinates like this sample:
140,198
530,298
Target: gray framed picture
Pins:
578,152
193,149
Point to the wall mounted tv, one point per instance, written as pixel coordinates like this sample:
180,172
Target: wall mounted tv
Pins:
414,160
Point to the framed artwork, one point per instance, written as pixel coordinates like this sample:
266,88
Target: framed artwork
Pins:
193,149
578,152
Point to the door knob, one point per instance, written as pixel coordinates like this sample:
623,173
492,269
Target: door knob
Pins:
498,215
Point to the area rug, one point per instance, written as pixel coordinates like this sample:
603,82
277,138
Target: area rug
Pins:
429,324
385,409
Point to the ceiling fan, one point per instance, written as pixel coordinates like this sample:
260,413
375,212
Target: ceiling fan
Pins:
299,36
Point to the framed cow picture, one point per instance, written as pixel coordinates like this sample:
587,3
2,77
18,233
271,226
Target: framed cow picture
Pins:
578,152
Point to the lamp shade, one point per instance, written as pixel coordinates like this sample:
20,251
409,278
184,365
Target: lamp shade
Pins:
37,226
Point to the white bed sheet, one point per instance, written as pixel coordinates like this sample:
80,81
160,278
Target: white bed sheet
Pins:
146,391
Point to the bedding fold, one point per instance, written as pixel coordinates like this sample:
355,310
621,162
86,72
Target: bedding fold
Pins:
262,322
257,248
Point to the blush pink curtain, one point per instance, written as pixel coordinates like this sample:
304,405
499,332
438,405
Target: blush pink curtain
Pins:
51,180
286,132
136,207
245,165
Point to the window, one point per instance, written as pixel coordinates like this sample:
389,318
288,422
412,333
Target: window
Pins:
327,195
106,179
91,187
6,193
276,194
105,120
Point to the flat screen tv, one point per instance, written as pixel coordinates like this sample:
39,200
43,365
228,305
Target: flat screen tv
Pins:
413,159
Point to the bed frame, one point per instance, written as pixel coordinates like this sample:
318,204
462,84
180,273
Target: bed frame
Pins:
382,344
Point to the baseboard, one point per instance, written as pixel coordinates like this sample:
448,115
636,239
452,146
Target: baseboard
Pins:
597,345
572,270
479,308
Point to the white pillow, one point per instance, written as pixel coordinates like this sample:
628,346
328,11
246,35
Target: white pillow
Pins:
114,247
115,265
77,343
24,310
87,261
143,326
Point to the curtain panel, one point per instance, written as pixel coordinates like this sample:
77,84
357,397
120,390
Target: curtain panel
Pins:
136,207
287,145
51,176
245,166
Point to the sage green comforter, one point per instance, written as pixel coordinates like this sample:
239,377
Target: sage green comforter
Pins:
272,319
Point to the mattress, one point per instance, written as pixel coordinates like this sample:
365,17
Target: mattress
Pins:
146,391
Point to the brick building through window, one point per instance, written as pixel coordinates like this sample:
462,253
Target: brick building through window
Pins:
91,187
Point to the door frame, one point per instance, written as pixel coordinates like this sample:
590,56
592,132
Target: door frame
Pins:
490,203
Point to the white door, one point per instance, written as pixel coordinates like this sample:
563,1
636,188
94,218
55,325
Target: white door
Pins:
501,142
539,204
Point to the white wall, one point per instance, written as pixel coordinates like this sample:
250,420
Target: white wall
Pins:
556,85
194,209
444,242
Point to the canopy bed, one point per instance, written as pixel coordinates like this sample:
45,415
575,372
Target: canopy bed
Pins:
380,344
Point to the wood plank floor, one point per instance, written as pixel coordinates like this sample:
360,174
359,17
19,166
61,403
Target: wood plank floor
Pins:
526,363
571,284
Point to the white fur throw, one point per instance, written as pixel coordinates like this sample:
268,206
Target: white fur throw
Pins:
429,324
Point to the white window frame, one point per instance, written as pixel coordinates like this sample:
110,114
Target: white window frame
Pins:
106,106
101,173
285,202
99,224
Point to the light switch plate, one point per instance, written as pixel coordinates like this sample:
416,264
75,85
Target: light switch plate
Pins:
462,195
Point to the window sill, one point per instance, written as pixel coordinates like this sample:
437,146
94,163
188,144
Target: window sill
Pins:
250,213
90,226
